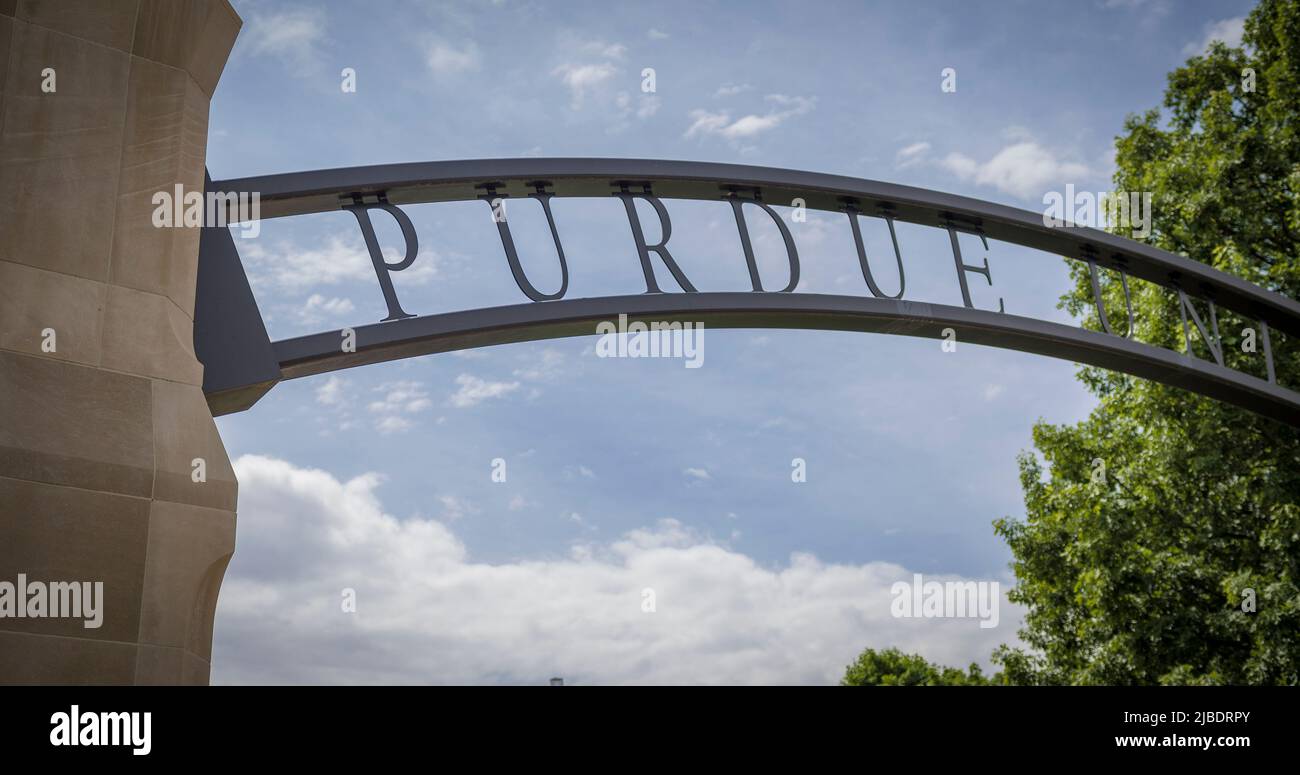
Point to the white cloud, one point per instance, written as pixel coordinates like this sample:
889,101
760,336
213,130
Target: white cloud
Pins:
291,35
1147,12
454,508
445,59
704,122
591,78
913,150
579,470
1228,31
796,104
404,397
341,259
1017,134
647,106
582,80
606,50
426,612
474,391
752,125
697,473
655,34
1024,169
731,89
393,424
331,392
319,308
992,391
544,366
911,155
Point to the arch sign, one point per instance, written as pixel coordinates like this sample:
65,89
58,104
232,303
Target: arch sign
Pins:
241,363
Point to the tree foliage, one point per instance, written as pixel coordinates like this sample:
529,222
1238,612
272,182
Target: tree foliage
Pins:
1150,524
892,667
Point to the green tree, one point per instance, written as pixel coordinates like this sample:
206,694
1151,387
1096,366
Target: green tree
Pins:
1151,523
892,667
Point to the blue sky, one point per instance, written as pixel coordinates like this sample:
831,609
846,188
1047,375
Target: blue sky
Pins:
624,474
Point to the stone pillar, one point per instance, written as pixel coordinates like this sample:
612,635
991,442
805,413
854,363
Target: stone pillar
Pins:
99,434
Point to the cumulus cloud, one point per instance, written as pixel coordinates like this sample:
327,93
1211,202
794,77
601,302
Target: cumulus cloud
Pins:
1024,169
581,80
292,35
400,399
453,507
1227,31
782,108
606,50
330,392
401,396
393,423
319,308
446,59
644,106
545,366
333,395
427,612
732,89
473,391
593,77
706,122
339,259
911,155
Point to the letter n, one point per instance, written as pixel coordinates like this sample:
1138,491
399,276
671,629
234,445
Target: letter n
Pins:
1216,349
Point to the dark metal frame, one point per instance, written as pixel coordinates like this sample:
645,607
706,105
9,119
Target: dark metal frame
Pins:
400,184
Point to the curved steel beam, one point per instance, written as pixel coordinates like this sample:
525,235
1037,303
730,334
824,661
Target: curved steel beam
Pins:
380,342
446,181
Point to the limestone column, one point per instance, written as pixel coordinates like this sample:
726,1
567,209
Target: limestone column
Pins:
102,104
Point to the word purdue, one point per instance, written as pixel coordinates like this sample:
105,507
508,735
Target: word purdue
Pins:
1071,209
361,206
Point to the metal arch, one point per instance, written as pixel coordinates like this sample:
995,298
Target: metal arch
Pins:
233,382
380,342
298,193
